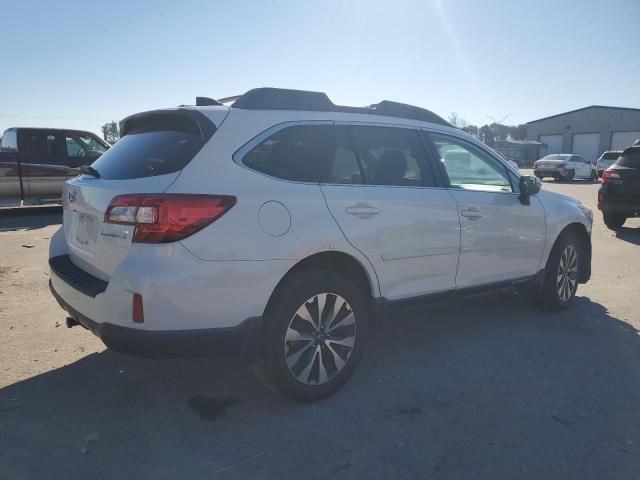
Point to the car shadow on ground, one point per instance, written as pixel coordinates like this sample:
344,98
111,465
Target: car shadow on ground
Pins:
484,387
629,234
29,218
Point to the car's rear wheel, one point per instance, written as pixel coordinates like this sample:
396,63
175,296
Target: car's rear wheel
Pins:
562,272
315,334
569,175
614,220
594,176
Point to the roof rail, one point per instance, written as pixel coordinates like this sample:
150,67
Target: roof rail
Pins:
285,99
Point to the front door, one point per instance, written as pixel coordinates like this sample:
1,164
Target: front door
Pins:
501,238
43,164
383,195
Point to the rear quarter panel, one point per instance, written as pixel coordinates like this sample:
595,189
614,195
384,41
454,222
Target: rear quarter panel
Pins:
242,233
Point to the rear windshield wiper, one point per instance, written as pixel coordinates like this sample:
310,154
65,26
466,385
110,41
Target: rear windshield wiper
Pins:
89,170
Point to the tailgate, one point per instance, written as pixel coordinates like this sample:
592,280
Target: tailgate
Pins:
153,150
95,246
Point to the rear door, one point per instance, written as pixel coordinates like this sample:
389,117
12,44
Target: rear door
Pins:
43,164
387,202
147,159
582,167
501,239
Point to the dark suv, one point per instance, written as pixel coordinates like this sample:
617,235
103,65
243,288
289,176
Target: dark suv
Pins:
619,195
35,162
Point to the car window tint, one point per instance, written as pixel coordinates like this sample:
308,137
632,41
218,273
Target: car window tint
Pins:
148,154
390,156
344,168
468,167
630,158
296,153
43,148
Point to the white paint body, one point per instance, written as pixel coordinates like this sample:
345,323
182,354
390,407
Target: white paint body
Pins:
549,166
418,243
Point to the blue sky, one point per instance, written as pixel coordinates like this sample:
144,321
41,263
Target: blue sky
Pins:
79,64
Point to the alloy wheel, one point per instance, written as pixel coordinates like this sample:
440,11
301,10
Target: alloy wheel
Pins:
567,278
320,338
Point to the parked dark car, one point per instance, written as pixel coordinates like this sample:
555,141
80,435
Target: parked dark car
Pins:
35,162
619,195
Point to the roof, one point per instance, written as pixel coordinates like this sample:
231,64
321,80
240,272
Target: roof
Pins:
585,108
286,99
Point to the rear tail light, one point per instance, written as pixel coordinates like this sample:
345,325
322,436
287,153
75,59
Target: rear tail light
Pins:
163,218
610,175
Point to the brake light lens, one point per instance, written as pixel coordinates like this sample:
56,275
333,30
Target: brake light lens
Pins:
137,310
164,218
610,175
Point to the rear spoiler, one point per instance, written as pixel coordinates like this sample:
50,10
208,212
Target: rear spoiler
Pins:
176,119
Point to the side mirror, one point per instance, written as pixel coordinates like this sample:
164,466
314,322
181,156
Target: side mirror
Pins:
529,185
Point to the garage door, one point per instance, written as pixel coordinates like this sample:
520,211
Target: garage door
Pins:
550,144
622,140
587,145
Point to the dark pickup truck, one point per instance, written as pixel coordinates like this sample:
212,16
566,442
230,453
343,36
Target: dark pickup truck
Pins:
35,163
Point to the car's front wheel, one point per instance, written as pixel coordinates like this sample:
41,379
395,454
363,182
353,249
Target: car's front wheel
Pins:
569,175
562,272
315,334
614,220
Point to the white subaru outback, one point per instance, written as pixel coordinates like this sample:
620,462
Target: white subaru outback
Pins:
279,227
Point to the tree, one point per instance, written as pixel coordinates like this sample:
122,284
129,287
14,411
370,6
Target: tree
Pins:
471,130
457,121
110,132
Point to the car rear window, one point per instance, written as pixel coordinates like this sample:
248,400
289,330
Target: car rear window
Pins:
555,157
630,158
153,144
610,155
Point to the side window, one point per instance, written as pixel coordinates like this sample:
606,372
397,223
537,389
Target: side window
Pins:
43,147
391,156
469,168
345,168
295,153
83,146
74,149
9,141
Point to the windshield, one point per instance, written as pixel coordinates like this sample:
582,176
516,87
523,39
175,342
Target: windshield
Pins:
610,155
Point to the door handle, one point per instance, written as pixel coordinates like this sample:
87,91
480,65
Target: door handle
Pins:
471,213
362,210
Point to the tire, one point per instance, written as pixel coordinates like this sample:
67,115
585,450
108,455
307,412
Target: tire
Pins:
304,361
594,176
614,220
569,175
539,176
560,282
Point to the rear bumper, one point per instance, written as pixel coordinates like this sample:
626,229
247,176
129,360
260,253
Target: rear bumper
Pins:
242,340
619,209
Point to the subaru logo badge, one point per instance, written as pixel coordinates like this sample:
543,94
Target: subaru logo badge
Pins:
72,196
